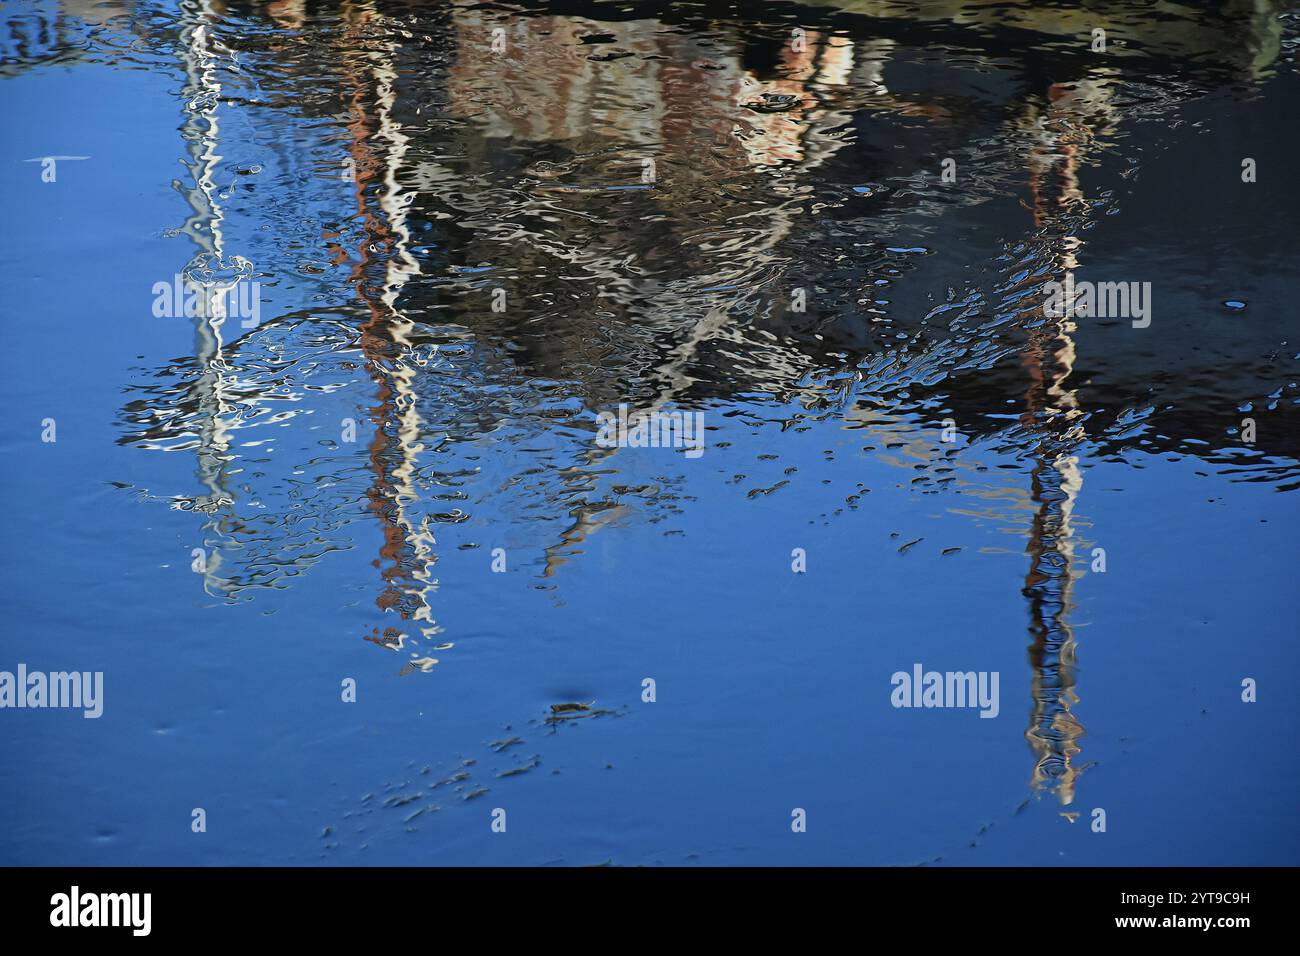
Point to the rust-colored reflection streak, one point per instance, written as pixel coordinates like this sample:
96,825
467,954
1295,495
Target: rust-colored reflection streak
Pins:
383,265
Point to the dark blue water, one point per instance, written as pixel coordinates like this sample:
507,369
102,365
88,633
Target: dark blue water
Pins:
348,463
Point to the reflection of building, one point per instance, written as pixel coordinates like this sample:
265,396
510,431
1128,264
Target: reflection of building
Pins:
49,31
702,120
1060,137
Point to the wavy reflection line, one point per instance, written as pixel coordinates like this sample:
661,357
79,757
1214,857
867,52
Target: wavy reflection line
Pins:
1052,413
377,149
201,132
